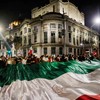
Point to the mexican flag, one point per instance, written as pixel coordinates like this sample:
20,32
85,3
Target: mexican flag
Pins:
30,51
72,80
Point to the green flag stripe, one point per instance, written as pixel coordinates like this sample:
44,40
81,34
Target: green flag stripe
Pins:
44,70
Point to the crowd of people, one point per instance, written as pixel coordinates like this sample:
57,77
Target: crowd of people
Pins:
32,59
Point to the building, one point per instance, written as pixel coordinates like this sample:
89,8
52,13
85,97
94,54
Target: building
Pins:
57,28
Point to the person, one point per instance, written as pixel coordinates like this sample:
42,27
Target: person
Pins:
2,61
88,59
45,58
91,57
24,61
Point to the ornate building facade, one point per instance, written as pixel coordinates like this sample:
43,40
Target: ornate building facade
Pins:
57,28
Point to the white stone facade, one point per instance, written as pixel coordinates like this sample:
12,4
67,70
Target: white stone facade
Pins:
77,31
65,8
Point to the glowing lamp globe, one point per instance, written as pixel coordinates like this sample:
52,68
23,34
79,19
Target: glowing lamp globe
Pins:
97,20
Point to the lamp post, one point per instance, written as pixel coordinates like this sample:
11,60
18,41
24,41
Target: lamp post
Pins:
63,34
96,22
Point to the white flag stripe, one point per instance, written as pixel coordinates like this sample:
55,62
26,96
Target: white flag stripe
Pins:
66,87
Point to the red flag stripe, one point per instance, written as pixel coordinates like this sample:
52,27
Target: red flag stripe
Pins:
89,97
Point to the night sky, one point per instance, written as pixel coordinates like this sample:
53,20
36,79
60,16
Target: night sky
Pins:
12,10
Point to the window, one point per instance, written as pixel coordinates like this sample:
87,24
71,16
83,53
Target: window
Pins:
45,37
52,37
29,29
25,30
60,50
35,37
74,40
29,39
59,34
35,50
59,26
52,25
73,29
45,50
78,51
35,29
53,8
80,39
24,52
74,51
53,50
70,36
70,50
15,34
69,28
21,33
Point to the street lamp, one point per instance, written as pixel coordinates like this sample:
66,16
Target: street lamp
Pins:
96,21
63,33
82,48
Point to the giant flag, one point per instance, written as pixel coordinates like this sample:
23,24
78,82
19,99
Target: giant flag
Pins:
72,80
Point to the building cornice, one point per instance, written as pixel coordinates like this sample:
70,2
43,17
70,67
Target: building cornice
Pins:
82,26
38,9
26,21
47,16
